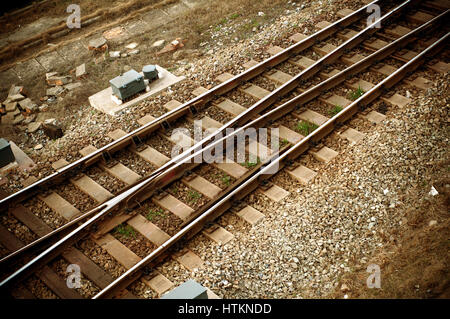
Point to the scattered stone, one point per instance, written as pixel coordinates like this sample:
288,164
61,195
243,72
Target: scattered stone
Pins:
15,98
72,86
13,90
8,118
432,223
29,119
98,43
58,80
131,46
134,52
172,46
433,191
158,44
43,108
54,91
124,55
27,104
114,54
38,147
10,107
18,119
33,127
80,70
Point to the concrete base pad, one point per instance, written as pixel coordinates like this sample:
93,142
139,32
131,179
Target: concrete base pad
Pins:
104,102
22,159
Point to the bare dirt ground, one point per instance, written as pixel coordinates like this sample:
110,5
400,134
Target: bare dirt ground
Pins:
415,258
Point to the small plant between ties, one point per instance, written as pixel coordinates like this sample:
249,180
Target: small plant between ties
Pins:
335,110
354,95
125,230
305,128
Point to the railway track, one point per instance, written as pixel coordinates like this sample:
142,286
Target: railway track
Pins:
357,51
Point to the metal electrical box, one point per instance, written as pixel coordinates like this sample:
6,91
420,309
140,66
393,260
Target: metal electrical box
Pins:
188,290
150,72
6,154
127,84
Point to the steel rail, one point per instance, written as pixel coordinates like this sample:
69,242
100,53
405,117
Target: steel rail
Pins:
183,109
243,189
254,109
109,206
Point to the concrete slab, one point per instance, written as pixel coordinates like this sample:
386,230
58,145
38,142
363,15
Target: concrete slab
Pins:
325,154
355,58
288,134
375,44
249,64
278,76
440,67
175,206
171,105
52,61
118,251
384,69
233,169
28,69
397,100
334,100
176,9
116,134
137,27
276,193
224,77
397,31
273,50
420,82
210,125
199,91
352,135
254,91
60,206
103,101
28,181
230,107
148,230
153,156
366,86
123,173
190,260
303,174
346,34
22,159
60,164
218,234
297,37
159,283
91,188
145,119
250,215
156,18
302,62
203,186
322,25
344,12
375,117
312,117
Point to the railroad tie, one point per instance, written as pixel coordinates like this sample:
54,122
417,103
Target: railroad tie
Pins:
229,106
250,215
171,105
275,193
302,174
218,234
277,76
274,50
224,77
250,64
297,37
